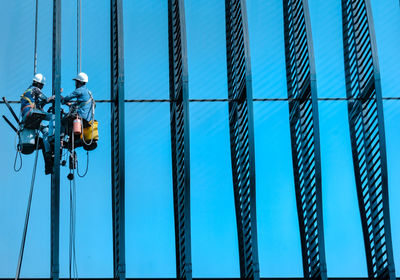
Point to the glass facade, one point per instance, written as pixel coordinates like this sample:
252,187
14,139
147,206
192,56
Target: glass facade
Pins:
149,211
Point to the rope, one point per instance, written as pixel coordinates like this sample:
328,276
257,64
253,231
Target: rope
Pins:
87,166
18,152
35,50
79,36
28,210
83,136
15,161
73,269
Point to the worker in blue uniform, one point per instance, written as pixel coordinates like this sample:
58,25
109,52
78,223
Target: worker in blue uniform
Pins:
33,100
80,101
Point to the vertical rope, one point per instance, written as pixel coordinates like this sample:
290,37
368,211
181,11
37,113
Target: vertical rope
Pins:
70,226
73,268
35,50
28,211
79,36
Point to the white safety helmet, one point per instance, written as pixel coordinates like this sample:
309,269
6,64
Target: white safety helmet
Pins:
39,78
82,77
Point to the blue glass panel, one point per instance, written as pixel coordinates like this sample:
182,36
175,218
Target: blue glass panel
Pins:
150,232
146,49
214,235
16,52
392,120
387,28
278,227
345,253
206,42
267,48
326,25
95,51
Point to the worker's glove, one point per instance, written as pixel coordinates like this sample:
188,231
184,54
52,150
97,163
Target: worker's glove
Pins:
51,98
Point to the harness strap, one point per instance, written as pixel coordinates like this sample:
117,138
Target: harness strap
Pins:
27,106
82,104
31,104
29,100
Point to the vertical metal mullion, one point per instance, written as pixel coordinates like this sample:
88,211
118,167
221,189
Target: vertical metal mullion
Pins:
179,112
55,177
301,81
382,143
118,138
367,45
241,125
317,147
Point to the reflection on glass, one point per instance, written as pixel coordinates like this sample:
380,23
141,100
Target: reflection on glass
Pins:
214,235
344,243
386,23
205,26
149,217
392,120
326,28
267,49
146,49
278,230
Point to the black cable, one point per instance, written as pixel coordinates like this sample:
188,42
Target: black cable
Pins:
73,269
35,50
70,226
74,229
87,166
28,210
15,161
78,36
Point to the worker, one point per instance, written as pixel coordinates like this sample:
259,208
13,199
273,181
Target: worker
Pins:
33,100
80,101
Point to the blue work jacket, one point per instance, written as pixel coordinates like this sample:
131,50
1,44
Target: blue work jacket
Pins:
81,99
32,98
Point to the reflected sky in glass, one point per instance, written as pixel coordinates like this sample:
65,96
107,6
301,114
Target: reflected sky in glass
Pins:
150,248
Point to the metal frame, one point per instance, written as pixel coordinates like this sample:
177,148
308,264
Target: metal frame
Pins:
179,110
55,177
366,123
230,278
118,138
241,126
367,133
304,131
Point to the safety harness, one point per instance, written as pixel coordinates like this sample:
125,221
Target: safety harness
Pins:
31,105
83,104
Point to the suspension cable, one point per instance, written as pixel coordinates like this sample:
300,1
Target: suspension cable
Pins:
73,269
35,50
28,210
79,36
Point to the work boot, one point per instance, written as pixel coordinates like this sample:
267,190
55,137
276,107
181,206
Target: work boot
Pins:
48,163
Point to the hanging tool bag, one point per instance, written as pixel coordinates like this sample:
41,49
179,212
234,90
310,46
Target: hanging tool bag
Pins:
91,132
27,140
